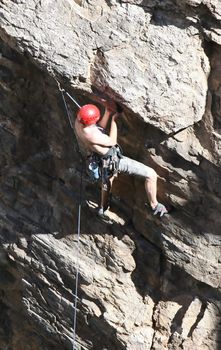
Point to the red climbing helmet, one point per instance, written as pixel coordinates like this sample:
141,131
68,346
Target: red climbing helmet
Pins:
88,114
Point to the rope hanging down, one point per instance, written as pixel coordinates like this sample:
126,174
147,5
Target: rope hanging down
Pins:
79,216
77,262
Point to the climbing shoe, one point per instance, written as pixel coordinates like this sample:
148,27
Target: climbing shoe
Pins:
162,209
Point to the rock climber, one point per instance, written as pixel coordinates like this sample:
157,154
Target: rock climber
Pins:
90,131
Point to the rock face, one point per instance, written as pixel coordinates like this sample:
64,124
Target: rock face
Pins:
144,282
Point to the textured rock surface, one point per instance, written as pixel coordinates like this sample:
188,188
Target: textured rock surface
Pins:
144,283
139,58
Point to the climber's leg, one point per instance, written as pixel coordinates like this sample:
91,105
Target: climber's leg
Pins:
132,167
105,195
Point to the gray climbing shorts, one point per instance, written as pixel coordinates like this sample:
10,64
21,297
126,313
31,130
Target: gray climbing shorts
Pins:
132,167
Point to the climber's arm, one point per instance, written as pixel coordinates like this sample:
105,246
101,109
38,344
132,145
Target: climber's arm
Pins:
104,120
110,107
96,137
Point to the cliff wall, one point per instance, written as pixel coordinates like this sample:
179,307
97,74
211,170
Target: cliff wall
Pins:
144,282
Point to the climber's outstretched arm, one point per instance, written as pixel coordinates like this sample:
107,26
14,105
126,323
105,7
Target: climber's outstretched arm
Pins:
110,108
105,119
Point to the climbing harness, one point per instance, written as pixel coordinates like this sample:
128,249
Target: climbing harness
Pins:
110,162
103,167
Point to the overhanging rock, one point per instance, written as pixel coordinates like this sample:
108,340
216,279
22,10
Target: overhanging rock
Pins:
153,63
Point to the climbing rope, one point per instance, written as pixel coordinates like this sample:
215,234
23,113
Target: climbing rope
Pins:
64,91
77,260
78,221
79,211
